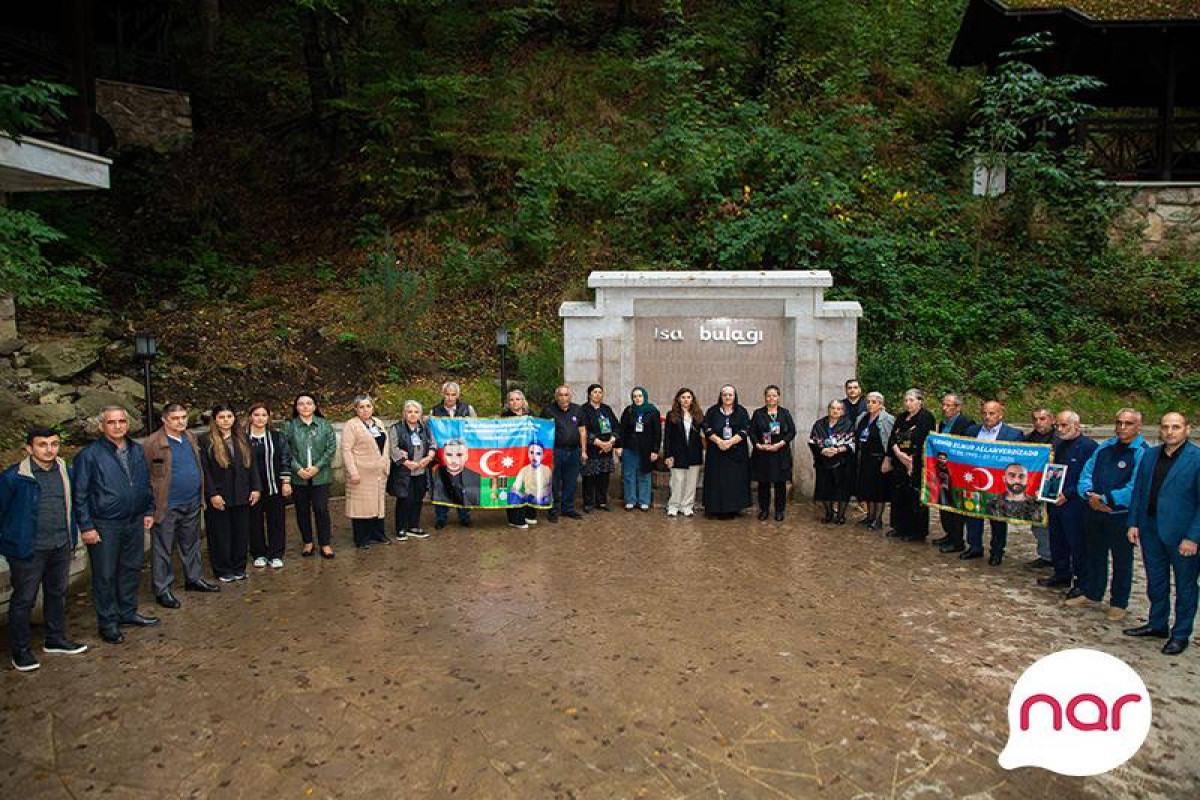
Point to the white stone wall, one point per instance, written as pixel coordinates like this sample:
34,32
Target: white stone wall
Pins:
1164,216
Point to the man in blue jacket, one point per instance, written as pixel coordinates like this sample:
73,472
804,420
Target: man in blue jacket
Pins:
992,429
37,538
114,507
1164,516
1073,449
1106,484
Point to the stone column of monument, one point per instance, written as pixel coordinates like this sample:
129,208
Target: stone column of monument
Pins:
664,330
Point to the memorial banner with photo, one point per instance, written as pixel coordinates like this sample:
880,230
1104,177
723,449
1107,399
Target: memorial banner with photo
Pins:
991,480
492,463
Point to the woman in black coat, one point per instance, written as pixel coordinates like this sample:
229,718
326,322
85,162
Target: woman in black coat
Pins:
641,439
603,444
273,463
873,486
727,471
231,487
411,448
772,431
683,451
905,462
831,441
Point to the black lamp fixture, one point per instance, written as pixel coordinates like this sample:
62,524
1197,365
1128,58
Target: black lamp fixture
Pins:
502,346
145,346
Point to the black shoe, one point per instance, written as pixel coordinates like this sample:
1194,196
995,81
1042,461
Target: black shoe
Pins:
1053,582
970,554
552,517
1142,631
308,553
952,547
587,509
840,519
1038,563
418,533
23,661
65,646
167,600
603,507
381,539
441,523
363,546
112,636
330,554
464,523
995,559
763,515
572,514
941,540
1073,592
779,516
827,518
201,586
876,524
894,534
1175,647
139,621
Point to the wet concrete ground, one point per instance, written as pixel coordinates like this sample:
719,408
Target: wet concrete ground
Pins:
624,656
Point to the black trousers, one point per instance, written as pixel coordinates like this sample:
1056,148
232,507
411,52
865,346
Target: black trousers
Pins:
595,490
408,509
909,516
266,517
312,501
1105,535
764,495
228,538
954,525
116,570
49,571
368,530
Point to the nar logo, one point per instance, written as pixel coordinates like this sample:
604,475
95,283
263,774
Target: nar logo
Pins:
1076,712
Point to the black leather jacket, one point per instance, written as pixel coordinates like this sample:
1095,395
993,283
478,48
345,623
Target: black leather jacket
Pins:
102,489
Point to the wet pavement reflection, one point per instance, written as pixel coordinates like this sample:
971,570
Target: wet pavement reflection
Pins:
627,655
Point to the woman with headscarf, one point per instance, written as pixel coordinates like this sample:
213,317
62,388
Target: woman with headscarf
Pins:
641,438
600,426
872,431
831,441
727,471
905,463
771,432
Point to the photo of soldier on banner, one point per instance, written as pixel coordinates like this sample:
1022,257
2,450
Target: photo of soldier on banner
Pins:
989,480
493,463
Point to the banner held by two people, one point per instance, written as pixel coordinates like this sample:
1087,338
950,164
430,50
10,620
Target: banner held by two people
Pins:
991,480
493,463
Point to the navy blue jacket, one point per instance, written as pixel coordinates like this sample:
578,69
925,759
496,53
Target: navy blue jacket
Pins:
1178,514
20,495
1109,473
1007,432
103,491
1074,453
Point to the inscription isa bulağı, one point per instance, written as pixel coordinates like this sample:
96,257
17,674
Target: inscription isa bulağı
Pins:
710,332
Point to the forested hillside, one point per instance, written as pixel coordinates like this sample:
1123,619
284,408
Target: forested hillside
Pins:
375,185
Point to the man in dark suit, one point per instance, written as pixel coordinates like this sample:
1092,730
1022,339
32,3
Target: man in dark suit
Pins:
992,429
1066,514
1164,516
458,484
954,423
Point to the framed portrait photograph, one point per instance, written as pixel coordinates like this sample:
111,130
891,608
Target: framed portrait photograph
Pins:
1052,482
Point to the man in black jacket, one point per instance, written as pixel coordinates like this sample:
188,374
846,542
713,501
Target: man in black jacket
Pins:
954,423
569,440
113,506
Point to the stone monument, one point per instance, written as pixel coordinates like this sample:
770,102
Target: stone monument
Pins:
664,330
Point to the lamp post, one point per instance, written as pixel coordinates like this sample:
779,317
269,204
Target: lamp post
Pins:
502,346
146,348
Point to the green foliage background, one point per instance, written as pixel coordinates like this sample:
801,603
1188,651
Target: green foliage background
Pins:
526,143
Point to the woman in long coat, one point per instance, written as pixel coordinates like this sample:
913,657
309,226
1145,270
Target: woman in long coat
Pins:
411,451
772,431
727,469
831,441
872,485
365,454
905,463
641,439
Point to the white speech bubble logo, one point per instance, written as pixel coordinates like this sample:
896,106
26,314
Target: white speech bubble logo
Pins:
1076,712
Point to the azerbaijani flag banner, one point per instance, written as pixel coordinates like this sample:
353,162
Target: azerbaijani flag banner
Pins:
493,463
992,480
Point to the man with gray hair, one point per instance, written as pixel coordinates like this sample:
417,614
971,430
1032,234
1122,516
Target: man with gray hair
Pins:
1065,514
1042,433
113,506
452,405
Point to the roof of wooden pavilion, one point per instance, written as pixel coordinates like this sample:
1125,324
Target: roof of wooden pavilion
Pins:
1145,52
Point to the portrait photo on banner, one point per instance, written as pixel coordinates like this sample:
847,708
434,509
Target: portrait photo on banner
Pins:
991,480
493,463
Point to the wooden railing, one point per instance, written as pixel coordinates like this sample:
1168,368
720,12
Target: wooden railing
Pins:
1142,148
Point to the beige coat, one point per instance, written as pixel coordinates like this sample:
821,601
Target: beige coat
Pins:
360,454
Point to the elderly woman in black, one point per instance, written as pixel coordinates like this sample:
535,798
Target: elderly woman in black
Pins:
231,487
831,441
905,463
411,449
600,424
872,430
771,432
727,471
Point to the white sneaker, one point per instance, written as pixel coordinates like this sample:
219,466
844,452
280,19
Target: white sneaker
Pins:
521,527
260,562
672,512
226,578
530,521
276,563
629,506
688,513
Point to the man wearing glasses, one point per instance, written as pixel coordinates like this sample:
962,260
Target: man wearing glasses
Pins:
1107,485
